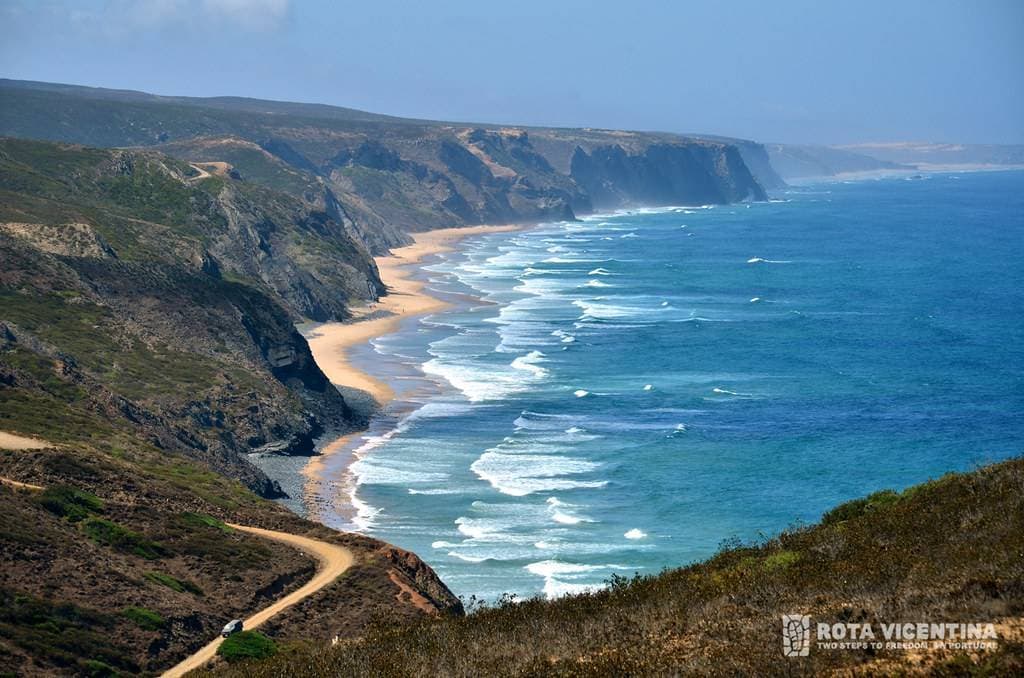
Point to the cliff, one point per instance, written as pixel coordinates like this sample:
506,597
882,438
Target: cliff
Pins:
169,298
392,176
664,174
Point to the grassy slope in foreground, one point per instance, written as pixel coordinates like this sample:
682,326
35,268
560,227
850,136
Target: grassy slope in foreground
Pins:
948,550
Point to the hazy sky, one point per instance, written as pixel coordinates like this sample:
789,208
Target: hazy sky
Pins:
815,71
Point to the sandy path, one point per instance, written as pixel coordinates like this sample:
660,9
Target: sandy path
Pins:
329,342
18,485
10,441
219,168
333,560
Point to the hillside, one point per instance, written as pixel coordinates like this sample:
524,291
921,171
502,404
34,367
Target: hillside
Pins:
795,161
948,156
947,550
147,338
177,294
393,175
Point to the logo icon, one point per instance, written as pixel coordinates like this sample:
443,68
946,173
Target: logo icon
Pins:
796,635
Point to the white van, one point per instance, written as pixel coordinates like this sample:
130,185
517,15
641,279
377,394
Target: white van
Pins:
232,627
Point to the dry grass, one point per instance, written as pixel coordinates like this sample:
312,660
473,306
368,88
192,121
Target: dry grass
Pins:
948,550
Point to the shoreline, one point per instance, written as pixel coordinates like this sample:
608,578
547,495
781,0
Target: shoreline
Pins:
330,342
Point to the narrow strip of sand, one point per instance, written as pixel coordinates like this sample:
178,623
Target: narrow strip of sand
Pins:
330,342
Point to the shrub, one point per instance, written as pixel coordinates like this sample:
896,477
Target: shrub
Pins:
781,560
121,538
203,520
69,502
247,645
97,669
174,584
858,507
144,619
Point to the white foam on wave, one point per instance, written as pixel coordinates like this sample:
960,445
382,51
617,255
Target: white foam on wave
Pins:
477,383
575,429
561,513
580,393
629,235
480,381
520,474
648,387
635,534
722,391
597,283
563,260
594,309
556,572
759,260
366,469
529,362
754,300
599,271
550,568
468,558
565,518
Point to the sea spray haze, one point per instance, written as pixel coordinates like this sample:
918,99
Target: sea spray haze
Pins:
635,387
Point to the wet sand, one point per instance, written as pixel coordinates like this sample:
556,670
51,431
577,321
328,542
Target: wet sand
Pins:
330,342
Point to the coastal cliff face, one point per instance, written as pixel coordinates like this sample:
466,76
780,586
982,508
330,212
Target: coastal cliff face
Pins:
168,300
391,176
664,174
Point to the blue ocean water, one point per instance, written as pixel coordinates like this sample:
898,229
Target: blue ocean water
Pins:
622,394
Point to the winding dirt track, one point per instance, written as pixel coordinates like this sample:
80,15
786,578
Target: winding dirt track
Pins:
333,560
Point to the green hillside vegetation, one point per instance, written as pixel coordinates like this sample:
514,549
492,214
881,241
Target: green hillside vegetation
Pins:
246,645
147,333
950,549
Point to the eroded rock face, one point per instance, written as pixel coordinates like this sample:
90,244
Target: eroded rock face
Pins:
424,580
73,239
664,174
169,303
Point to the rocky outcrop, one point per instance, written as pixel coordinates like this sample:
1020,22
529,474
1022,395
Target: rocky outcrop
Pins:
756,158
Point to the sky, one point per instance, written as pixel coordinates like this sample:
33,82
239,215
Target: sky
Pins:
779,71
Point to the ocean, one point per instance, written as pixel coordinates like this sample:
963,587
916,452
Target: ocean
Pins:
627,392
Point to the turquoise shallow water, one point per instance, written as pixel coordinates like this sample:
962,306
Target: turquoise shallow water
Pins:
636,388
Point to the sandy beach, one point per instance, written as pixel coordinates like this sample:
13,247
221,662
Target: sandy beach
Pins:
330,342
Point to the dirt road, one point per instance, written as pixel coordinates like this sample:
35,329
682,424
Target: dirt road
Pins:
333,560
